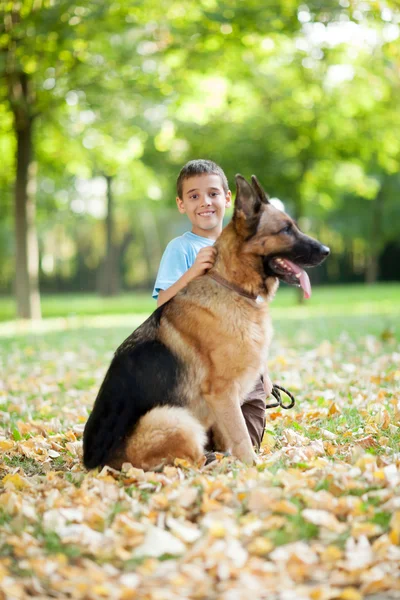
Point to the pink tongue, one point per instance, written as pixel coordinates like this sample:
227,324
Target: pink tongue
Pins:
304,279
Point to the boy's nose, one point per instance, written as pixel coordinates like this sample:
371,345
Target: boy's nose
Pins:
206,201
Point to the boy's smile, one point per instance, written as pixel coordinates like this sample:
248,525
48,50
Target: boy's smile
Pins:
204,201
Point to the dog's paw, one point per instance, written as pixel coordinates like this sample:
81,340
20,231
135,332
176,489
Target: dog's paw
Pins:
245,453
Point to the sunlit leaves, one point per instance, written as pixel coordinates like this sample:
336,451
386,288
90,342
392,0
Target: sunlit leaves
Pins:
318,514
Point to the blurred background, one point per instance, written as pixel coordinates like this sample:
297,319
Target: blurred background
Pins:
102,102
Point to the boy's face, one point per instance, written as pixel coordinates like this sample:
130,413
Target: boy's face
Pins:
204,202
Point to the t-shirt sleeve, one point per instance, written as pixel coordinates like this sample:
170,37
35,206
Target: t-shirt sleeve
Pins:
174,264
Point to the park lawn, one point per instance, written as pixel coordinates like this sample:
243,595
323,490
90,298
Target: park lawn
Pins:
70,305
317,518
333,300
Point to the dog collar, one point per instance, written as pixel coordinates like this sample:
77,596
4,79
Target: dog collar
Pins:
232,286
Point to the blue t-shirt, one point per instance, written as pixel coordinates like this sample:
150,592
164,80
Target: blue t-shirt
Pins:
178,257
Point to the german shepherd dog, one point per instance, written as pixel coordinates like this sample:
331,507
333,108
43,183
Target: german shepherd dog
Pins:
188,368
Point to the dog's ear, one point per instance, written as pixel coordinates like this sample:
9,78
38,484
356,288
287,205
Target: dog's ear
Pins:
263,196
247,202
247,208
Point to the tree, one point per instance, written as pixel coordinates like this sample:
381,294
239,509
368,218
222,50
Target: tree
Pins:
44,48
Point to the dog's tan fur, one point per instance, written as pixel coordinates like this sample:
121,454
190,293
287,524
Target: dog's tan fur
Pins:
169,440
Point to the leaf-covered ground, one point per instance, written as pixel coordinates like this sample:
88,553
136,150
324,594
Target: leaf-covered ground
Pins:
318,518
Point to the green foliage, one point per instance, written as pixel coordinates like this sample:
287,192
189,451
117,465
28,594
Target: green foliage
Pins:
304,95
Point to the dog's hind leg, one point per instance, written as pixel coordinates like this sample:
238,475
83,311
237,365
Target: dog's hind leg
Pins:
163,434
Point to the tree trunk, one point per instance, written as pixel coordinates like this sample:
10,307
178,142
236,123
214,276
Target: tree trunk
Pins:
110,273
151,244
27,252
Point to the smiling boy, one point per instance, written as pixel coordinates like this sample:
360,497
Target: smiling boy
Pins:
203,195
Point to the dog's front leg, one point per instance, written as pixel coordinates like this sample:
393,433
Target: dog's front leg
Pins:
267,384
232,426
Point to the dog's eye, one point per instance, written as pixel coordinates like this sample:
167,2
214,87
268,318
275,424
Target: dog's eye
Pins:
286,229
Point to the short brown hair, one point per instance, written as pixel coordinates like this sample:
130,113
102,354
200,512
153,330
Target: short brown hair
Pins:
200,167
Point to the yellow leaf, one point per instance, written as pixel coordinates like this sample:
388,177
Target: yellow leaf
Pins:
159,501
367,529
260,546
378,585
350,594
6,445
181,462
394,537
209,504
268,441
331,554
281,360
284,507
127,594
395,521
330,449
101,590
334,409
24,428
16,481
217,530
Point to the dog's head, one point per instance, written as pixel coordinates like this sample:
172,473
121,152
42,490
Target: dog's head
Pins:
274,236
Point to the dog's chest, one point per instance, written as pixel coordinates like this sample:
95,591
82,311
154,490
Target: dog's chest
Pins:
249,330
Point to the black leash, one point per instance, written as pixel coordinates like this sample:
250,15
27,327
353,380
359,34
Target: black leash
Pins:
276,394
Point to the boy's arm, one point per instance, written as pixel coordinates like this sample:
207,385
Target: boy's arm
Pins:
204,260
165,295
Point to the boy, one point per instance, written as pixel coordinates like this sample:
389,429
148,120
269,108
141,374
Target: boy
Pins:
203,195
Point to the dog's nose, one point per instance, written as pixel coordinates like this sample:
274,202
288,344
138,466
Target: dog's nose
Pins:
325,250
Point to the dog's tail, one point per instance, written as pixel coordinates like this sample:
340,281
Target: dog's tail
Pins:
163,434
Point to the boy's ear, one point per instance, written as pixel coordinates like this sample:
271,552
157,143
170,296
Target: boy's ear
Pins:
228,199
180,205
247,202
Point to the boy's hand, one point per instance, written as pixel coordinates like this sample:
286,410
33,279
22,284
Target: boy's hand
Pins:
205,259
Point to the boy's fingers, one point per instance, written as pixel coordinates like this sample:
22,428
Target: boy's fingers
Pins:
207,261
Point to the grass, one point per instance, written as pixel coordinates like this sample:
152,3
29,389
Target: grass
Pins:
383,298
72,305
